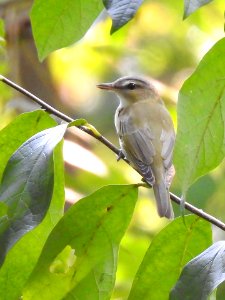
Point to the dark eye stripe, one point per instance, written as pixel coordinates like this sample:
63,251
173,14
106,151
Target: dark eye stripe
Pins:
131,86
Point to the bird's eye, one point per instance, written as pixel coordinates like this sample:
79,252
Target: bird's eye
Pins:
131,86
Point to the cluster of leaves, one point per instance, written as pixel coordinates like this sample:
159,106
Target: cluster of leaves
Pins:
45,254
77,256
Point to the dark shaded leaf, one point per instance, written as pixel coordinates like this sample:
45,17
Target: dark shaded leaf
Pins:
23,256
121,11
57,23
201,275
169,251
27,186
192,5
200,141
92,229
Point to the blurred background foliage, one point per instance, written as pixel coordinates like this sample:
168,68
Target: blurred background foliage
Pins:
157,43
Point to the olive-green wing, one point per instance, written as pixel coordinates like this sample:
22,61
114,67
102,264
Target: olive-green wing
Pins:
138,147
167,138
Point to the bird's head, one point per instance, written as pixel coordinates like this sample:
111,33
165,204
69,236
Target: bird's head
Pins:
131,89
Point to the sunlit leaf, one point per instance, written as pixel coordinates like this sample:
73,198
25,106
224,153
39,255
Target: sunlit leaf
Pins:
192,5
121,11
27,186
57,23
201,275
200,143
169,251
93,228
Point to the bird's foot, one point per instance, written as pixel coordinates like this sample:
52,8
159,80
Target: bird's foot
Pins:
120,155
149,183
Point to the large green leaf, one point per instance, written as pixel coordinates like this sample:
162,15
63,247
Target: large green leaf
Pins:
121,11
200,143
27,186
169,251
201,275
192,5
79,259
57,23
22,258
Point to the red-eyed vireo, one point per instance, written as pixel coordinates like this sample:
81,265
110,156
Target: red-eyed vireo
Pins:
146,135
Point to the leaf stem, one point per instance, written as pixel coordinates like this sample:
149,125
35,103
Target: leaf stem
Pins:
108,144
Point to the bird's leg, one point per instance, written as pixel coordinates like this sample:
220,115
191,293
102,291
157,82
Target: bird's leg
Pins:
120,155
149,182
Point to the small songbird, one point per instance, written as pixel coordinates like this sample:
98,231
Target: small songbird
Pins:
146,135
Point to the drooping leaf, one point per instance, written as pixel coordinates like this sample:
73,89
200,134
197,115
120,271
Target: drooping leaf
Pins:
169,251
121,11
93,229
27,185
192,5
57,23
200,142
201,275
22,258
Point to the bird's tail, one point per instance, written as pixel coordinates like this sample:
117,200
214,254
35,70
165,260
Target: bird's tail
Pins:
163,202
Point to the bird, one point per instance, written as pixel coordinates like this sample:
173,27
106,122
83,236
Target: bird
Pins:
146,135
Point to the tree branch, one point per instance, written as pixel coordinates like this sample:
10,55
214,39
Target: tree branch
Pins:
109,145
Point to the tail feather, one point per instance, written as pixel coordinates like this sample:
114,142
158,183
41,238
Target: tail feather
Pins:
163,202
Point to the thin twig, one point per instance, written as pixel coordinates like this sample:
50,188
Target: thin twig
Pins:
199,212
59,114
108,144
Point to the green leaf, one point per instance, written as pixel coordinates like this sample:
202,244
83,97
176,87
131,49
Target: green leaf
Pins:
57,23
169,251
93,228
2,35
192,5
201,275
20,130
22,258
200,142
2,28
121,11
27,186
15,272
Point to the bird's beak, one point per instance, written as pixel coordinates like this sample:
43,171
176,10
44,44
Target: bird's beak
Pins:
105,86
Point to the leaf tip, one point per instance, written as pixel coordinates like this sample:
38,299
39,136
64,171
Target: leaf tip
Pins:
41,56
113,29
